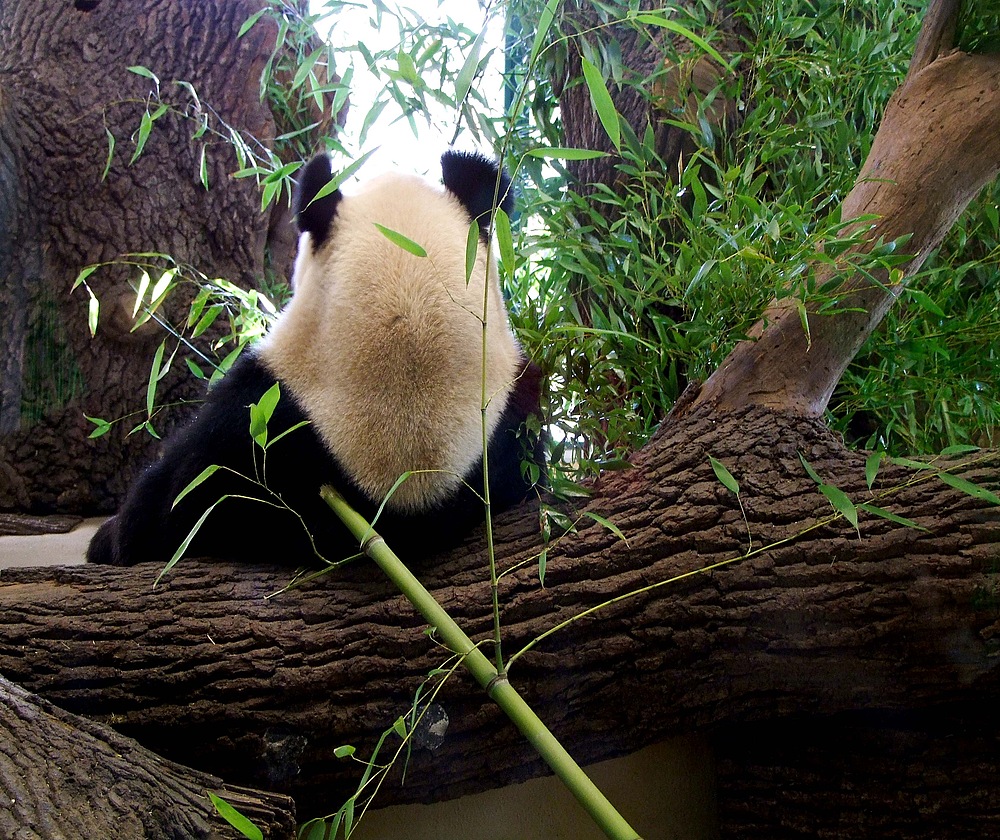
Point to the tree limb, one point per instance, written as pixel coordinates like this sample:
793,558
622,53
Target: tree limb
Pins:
205,670
58,770
937,147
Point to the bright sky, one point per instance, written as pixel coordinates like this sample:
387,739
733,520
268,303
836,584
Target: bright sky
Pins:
398,148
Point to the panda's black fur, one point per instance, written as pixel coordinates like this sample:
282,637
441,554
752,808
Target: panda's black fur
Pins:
431,515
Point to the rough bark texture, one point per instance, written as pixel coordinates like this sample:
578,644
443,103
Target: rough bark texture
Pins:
64,776
63,82
665,77
937,147
206,671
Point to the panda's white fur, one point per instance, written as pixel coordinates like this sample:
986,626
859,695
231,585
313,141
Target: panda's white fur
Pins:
368,319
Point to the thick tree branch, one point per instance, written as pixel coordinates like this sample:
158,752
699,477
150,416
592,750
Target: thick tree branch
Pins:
937,147
937,35
63,775
208,672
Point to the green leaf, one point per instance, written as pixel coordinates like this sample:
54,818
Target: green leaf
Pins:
542,30
463,82
334,183
603,104
606,523
959,449
724,476
471,250
187,540
154,377
345,751
305,68
543,558
909,462
925,302
403,242
841,503
261,412
967,486
84,274
399,727
145,126
111,153
505,241
235,818
287,431
203,168
872,464
564,153
199,479
673,26
250,21
812,473
139,70
892,517
103,426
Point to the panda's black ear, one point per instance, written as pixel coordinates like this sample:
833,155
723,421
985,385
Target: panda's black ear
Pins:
472,179
314,215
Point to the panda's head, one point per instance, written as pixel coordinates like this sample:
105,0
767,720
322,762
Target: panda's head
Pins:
384,347
473,179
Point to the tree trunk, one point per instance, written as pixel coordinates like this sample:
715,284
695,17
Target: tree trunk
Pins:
64,86
208,672
62,775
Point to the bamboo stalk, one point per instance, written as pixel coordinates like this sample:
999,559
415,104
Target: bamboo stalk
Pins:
496,685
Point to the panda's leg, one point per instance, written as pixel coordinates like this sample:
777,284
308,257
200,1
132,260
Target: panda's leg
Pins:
138,531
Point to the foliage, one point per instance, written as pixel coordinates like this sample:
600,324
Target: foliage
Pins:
676,269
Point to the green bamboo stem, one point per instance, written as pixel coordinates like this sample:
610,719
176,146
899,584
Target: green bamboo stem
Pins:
497,687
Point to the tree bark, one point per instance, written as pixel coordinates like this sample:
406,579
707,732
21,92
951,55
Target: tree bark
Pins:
64,85
62,775
207,671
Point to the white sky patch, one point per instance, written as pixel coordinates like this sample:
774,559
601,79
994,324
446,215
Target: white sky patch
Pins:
398,148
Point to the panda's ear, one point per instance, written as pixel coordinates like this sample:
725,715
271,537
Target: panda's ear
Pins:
314,215
472,179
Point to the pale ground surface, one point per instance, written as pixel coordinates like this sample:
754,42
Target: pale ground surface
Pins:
666,791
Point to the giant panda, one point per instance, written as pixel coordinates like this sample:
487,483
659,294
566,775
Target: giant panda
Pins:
380,352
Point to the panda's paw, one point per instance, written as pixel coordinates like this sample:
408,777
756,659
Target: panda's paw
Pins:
103,546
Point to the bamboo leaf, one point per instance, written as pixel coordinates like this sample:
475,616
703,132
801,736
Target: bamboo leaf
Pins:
250,21
471,250
542,30
235,818
967,486
505,241
93,312
187,540
841,503
673,26
603,104
463,82
565,153
892,517
403,242
154,377
724,476
606,523
872,464
199,479
811,472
